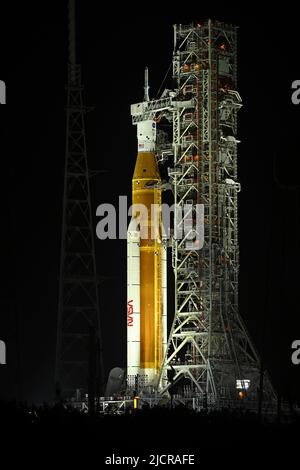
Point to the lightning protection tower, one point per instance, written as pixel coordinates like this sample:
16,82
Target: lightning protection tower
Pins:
79,365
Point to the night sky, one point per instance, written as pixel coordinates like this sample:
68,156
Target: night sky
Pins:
114,46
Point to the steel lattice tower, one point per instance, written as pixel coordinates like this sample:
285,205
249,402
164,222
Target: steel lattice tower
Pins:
209,351
79,364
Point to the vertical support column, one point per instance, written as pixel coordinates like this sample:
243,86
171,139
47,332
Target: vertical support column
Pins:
164,267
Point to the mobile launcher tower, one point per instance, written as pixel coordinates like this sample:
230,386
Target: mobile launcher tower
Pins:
208,357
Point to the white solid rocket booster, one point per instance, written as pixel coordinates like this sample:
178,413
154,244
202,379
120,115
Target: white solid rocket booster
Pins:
133,299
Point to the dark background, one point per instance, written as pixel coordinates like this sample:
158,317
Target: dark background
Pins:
114,45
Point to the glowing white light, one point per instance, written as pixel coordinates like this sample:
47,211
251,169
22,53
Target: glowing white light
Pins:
242,384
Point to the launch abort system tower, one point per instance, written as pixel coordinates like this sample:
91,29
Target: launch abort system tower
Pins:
209,353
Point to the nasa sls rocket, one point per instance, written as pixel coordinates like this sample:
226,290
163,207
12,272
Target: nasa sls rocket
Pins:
146,264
